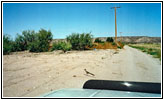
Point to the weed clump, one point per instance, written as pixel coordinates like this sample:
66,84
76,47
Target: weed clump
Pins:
109,39
97,40
61,46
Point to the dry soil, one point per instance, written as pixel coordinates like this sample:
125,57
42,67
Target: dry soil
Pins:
33,74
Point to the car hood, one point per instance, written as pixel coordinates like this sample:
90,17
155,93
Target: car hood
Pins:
72,92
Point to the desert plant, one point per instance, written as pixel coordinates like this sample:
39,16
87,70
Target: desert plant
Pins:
109,39
29,36
7,44
34,46
22,41
29,40
119,47
19,43
41,41
97,40
56,46
113,43
61,46
80,41
66,46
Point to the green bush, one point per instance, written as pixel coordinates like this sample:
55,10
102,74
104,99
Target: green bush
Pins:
97,40
66,47
7,44
80,41
56,46
109,39
22,42
34,46
29,36
61,46
113,43
41,41
118,47
29,40
19,43
159,54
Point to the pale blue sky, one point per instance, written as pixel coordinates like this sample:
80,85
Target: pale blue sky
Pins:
133,19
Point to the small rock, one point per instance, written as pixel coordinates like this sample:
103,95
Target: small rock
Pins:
102,57
74,75
115,52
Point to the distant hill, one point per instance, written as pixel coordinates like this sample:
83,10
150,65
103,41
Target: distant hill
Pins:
128,39
136,39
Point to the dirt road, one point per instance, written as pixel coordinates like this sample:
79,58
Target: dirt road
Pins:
32,74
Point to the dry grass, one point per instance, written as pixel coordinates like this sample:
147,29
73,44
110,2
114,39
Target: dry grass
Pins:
152,49
105,45
120,44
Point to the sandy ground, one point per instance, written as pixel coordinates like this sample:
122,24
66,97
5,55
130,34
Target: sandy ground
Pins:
33,74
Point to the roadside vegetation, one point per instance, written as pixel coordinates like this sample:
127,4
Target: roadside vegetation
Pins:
61,46
28,40
108,44
80,41
7,44
41,41
152,49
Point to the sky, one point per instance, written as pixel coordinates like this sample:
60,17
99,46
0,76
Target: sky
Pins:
63,19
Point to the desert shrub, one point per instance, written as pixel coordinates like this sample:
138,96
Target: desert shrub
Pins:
19,43
80,41
159,54
56,46
7,44
41,41
150,49
113,43
61,46
34,46
29,40
109,39
66,46
118,47
97,40
22,41
29,36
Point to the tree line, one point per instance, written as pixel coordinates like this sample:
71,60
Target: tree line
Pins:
40,42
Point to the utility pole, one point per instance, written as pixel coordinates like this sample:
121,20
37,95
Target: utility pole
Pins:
115,23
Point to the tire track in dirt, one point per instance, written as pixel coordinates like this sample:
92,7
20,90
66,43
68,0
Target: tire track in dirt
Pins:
46,82
25,76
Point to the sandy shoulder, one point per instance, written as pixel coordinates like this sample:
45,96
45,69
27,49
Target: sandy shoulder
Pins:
33,74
